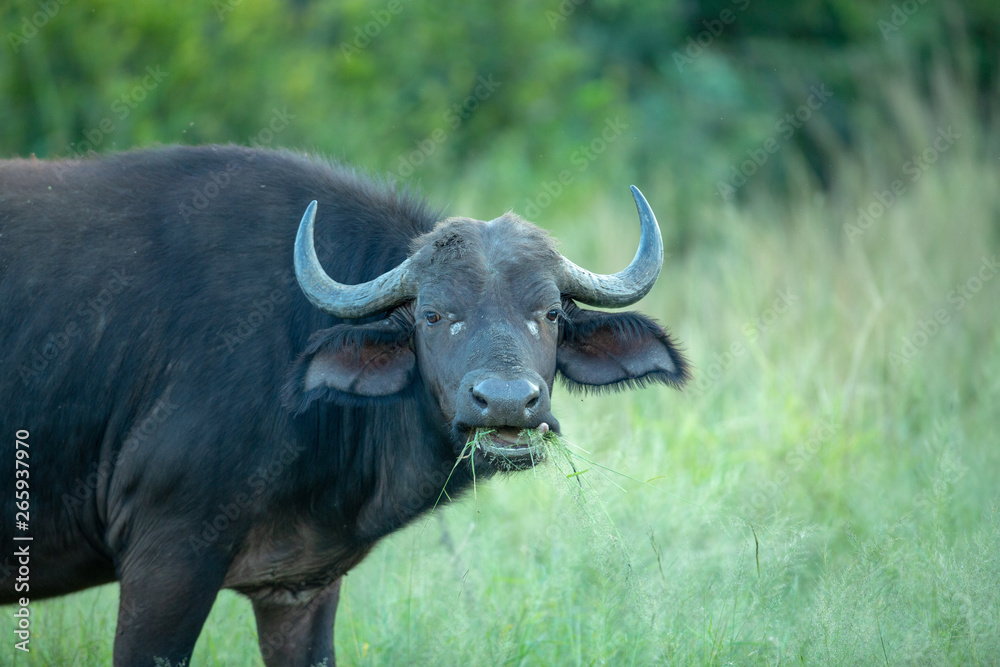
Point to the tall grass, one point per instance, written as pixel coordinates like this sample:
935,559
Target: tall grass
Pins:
809,499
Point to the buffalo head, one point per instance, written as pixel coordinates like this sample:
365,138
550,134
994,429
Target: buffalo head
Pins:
485,313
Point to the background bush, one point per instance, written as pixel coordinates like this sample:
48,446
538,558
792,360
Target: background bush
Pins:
696,84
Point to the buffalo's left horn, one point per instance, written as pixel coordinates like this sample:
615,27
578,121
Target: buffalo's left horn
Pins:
346,301
632,283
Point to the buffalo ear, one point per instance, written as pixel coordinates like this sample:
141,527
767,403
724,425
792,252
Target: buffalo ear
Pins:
348,363
612,351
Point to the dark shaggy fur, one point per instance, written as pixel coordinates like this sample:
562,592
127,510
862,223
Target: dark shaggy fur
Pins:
153,398
154,344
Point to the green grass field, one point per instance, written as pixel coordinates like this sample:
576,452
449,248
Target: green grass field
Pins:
825,492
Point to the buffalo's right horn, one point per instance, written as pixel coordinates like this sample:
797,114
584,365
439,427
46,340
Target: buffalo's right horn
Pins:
346,301
632,283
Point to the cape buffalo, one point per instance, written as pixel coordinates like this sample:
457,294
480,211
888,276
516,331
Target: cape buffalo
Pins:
200,395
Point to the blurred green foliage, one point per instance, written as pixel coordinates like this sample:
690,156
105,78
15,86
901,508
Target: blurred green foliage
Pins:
502,97
759,544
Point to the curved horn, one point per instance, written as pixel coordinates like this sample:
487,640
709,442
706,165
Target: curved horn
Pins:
629,285
345,301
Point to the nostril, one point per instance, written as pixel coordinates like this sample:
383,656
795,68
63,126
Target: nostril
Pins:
478,399
533,395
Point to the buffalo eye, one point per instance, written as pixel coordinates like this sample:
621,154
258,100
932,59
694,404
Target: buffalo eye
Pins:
552,315
431,317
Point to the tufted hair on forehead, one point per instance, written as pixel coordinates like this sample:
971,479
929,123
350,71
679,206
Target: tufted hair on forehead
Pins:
508,237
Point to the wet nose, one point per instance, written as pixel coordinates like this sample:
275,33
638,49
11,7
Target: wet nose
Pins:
507,402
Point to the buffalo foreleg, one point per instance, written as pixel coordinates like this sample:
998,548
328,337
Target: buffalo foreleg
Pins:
163,606
297,633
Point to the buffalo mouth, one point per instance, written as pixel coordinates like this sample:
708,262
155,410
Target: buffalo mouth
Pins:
510,448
